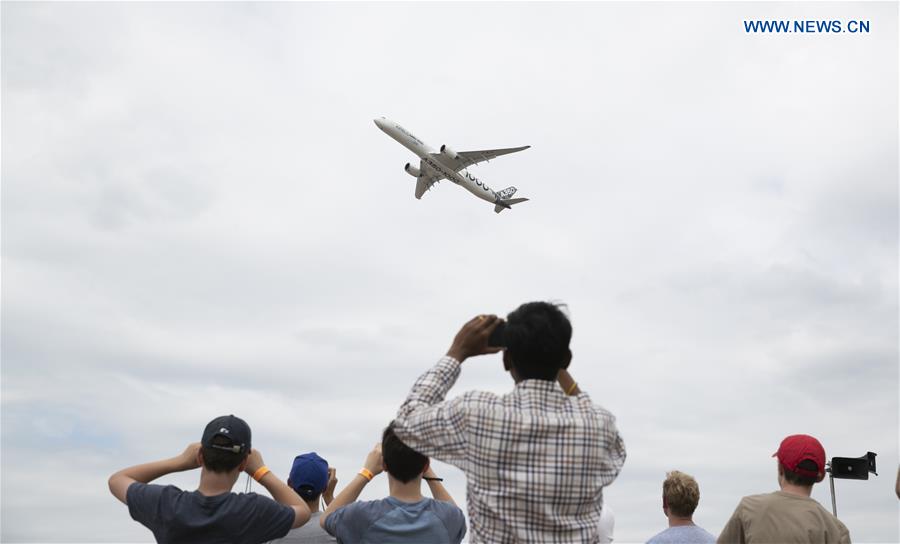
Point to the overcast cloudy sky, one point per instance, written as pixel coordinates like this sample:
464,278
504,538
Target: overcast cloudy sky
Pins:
199,217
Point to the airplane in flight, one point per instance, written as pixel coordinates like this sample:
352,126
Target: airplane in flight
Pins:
451,165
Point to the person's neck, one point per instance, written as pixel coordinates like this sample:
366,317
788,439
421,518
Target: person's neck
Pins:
216,483
793,489
675,521
406,492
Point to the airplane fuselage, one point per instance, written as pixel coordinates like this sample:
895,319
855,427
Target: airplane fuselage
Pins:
434,159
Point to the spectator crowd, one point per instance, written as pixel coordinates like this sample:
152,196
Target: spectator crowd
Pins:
536,462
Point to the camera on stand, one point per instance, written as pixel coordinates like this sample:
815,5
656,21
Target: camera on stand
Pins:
849,468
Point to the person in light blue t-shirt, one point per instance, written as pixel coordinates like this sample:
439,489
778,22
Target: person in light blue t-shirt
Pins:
681,495
405,515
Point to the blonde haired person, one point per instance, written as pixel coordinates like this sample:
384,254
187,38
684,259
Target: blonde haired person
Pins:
681,495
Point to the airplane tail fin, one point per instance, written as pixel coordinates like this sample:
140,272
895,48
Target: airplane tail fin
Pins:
507,203
507,193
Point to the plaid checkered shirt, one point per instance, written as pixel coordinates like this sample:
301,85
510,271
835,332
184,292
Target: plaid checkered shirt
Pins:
536,460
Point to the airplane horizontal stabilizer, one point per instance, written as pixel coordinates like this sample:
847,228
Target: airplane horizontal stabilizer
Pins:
507,203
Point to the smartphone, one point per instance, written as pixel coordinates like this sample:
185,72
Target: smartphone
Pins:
497,339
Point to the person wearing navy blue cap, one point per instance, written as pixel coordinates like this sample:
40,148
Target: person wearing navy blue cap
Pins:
311,478
211,514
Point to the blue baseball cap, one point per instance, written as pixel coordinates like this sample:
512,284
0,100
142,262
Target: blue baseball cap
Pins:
309,475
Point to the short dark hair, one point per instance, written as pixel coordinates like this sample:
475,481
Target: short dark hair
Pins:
792,477
218,460
400,461
308,493
537,340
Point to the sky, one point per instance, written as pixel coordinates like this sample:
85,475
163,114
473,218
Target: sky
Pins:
199,217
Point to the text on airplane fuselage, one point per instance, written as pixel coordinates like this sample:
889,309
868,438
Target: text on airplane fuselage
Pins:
404,131
451,175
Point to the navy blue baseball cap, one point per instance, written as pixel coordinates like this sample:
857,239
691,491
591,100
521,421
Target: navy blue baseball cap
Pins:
234,430
309,475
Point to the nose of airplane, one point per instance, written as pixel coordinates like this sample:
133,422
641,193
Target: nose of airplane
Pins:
379,123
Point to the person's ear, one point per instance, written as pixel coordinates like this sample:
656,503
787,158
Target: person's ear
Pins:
427,466
820,476
200,457
567,359
507,361
243,464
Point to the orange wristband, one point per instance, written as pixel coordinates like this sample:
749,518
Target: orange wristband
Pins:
366,473
260,472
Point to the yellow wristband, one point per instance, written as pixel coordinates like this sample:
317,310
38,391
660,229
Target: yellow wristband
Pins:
572,388
260,472
366,473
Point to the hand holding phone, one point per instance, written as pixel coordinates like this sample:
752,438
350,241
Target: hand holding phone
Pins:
497,338
472,338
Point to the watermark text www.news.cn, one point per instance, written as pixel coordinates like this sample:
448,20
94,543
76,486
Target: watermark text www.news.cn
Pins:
808,26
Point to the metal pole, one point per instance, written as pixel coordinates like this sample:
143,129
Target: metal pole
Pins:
833,502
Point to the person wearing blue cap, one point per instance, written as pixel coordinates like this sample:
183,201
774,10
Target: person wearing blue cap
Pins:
311,478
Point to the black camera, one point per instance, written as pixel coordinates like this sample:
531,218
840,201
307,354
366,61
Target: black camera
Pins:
497,338
854,468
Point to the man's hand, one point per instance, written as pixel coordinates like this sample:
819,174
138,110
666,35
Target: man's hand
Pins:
374,461
328,494
254,462
471,340
437,488
190,457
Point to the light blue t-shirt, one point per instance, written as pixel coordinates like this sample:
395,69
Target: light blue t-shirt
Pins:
391,520
683,534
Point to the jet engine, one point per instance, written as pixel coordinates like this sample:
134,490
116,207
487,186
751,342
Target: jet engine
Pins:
412,170
449,153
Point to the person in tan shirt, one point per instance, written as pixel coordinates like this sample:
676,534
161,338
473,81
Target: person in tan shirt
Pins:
790,515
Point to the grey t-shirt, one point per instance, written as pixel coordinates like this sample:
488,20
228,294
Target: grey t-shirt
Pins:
308,533
683,534
394,521
176,516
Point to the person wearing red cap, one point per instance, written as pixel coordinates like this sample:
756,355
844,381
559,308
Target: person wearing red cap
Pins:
789,515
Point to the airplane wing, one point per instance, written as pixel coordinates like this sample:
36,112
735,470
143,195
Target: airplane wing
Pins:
428,176
465,159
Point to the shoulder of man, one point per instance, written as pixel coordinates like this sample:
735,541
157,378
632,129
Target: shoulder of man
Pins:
139,492
266,517
479,397
261,502
355,517
446,508
658,538
452,517
844,533
147,503
759,498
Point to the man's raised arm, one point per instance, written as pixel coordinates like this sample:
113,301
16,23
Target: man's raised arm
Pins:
425,421
120,481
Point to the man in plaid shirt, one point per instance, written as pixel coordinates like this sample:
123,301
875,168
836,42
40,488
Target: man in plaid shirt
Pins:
536,459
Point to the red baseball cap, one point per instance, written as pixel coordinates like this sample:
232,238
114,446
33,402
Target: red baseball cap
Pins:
801,447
